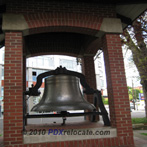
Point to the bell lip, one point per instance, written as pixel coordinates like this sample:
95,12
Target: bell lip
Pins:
51,108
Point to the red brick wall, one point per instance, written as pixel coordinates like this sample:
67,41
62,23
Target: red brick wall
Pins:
116,86
13,89
50,16
2,82
89,72
47,17
90,9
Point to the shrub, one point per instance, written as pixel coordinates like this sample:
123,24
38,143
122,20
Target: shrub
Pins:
139,120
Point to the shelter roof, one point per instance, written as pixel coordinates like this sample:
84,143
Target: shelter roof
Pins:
127,10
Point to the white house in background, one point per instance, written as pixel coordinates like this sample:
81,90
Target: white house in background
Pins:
1,78
100,72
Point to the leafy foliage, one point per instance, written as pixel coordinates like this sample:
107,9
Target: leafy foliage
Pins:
105,101
135,38
144,134
133,93
139,120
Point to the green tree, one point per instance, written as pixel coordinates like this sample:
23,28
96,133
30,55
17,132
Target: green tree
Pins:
133,93
135,37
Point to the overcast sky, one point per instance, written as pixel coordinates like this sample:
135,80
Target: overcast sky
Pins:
132,74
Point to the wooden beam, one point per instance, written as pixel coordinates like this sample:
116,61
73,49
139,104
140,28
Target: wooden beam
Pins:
2,8
124,19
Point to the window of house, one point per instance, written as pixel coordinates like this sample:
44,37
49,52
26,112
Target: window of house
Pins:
102,83
100,73
36,72
2,91
40,62
34,62
99,64
51,62
34,75
69,64
3,56
2,73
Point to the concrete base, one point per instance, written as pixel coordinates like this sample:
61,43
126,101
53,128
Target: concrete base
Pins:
56,135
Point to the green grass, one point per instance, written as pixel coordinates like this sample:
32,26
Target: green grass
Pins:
1,135
144,134
105,101
139,120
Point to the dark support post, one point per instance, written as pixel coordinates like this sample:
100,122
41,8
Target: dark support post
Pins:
98,101
24,112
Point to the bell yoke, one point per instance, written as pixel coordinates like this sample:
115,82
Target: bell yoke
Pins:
62,93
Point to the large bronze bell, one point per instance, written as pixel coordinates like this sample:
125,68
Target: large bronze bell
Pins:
62,93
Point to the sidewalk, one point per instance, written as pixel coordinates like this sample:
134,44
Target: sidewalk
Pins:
1,136
1,141
140,140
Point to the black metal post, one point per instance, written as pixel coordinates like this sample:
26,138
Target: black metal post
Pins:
24,112
99,101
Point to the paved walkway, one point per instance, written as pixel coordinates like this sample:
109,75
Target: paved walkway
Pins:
139,139
1,138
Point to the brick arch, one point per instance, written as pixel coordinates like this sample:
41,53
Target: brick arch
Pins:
63,22
53,53
57,42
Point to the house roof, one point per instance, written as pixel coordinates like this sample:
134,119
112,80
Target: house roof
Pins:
126,10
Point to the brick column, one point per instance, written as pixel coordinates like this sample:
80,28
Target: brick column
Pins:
117,88
89,71
13,89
